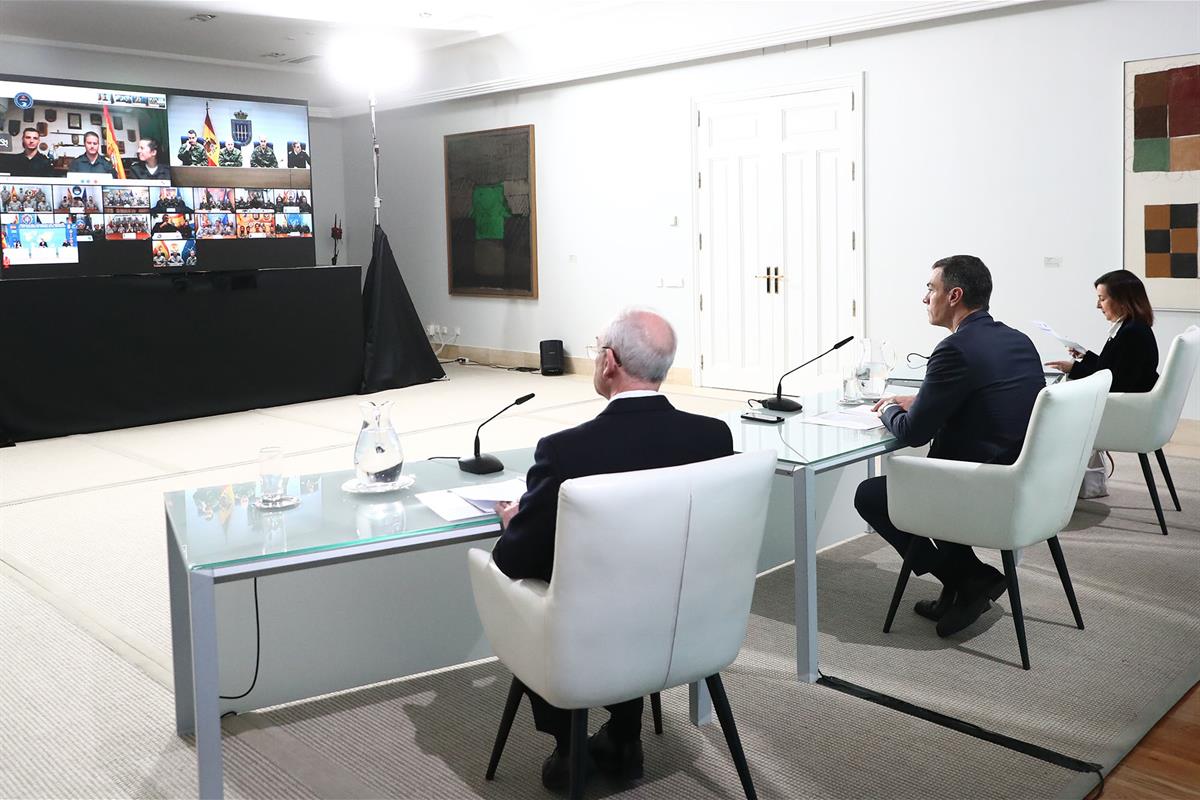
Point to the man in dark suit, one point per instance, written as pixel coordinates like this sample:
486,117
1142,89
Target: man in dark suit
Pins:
639,429
975,403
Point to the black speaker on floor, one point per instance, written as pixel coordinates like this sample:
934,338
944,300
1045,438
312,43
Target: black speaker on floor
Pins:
552,356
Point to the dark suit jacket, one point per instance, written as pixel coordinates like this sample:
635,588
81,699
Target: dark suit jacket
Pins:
630,434
1132,355
977,396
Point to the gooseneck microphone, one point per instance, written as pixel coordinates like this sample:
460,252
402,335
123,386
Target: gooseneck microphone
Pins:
484,464
781,403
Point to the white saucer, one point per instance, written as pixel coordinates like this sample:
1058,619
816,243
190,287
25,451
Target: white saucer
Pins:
355,486
282,503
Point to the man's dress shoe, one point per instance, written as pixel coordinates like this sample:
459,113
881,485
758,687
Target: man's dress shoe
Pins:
936,609
974,598
623,759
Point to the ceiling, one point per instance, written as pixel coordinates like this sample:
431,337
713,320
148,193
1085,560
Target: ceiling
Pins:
271,34
463,47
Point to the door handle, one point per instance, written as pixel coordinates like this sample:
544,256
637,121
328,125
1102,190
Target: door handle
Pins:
778,278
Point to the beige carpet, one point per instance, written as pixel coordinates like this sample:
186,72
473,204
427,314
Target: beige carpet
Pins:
85,653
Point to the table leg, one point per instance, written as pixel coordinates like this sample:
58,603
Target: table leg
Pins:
205,685
700,709
804,488
181,641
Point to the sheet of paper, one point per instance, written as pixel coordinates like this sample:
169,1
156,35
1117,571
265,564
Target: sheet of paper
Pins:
860,418
1071,343
449,506
484,496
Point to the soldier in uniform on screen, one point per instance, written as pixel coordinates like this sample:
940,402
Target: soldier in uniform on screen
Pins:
263,156
191,152
230,155
91,160
148,166
298,158
31,163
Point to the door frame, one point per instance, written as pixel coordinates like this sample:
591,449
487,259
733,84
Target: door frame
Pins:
853,81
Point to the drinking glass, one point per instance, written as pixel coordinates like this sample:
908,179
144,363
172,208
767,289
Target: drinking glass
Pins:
270,474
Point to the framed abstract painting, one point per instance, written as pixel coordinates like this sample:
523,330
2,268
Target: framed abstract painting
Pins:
1162,178
491,213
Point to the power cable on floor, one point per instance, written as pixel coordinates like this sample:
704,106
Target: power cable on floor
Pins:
962,726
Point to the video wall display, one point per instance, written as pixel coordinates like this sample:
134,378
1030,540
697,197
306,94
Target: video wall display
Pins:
102,180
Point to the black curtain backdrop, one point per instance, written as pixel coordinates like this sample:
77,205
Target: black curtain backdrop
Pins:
397,352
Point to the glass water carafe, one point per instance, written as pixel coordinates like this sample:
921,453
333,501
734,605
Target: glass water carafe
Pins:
874,367
378,457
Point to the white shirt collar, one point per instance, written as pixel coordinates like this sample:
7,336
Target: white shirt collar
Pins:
1116,326
634,393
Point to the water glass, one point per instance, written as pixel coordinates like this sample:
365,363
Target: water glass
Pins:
270,474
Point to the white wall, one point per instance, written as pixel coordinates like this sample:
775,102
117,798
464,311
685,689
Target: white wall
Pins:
998,135
118,68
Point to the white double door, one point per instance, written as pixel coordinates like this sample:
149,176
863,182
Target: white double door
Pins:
780,274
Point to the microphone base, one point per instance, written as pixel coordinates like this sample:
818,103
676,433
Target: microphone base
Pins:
780,404
483,464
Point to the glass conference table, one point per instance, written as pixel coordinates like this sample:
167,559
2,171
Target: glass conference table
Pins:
215,536
805,450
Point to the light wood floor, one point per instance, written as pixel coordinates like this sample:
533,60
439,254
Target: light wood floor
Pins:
1165,765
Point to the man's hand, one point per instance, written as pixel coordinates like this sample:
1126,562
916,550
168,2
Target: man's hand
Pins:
904,401
1062,366
507,510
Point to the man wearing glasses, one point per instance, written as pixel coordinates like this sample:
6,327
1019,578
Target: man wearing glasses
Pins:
639,429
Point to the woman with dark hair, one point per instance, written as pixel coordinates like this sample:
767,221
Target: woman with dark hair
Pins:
1131,352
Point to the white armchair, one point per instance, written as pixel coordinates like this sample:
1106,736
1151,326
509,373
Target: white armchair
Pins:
1143,422
653,577
1006,507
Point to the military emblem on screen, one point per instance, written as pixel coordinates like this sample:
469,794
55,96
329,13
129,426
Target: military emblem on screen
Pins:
241,127
5,143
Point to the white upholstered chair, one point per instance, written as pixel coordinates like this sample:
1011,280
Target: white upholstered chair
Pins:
1006,507
653,576
1143,422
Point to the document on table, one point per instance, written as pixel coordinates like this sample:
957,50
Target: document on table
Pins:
1071,343
484,496
858,418
449,506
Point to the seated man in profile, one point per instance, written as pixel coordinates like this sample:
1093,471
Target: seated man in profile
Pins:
298,157
974,403
91,160
639,429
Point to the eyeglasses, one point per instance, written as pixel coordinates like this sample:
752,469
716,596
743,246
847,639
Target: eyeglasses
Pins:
594,351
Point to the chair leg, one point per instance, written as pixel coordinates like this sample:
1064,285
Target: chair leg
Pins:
716,690
1014,597
901,582
656,709
1162,523
1061,564
515,690
579,752
1162,464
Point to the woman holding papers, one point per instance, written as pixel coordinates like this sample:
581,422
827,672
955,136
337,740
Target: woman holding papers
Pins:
1131,352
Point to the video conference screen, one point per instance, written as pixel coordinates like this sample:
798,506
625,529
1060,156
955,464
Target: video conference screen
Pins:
101,179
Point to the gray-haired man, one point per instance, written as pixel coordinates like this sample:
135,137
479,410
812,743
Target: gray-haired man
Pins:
639,429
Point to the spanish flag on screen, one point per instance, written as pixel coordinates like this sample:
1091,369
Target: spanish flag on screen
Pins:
210,138
110,144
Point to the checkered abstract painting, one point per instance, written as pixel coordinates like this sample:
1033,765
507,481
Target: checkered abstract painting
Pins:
1166,120
1162,178
1171,240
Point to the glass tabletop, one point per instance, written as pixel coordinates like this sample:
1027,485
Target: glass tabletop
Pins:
799,441
218,526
